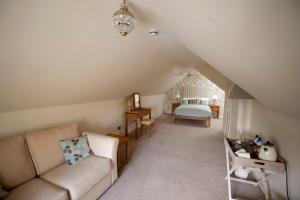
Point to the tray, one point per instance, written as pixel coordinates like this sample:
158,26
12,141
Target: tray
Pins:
276,167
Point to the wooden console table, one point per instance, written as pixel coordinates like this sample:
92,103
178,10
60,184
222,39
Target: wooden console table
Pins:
136,115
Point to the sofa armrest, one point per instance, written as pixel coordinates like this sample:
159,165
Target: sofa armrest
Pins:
105,146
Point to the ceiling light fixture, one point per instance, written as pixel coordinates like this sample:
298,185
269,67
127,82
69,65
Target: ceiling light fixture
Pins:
124,20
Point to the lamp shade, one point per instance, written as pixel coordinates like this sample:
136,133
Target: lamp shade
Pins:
177,96
214,97
129,102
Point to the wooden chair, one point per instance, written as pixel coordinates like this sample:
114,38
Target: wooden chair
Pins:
148,125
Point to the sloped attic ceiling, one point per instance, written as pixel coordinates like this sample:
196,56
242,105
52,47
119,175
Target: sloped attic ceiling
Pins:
67,51
63,52
255,44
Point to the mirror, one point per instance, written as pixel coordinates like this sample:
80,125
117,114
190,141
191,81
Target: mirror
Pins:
136,101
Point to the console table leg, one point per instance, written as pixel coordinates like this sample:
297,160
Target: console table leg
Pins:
264,186
136,129
126,152
126,127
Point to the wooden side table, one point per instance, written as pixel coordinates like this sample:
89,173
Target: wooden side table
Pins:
174,106
215,109
123,140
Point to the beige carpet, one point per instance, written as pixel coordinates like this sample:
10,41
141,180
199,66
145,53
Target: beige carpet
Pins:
183,161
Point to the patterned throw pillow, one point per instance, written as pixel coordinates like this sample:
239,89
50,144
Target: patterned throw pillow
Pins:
75,149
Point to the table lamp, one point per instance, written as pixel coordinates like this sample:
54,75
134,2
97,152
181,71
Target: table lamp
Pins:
214,98
129,104
178,97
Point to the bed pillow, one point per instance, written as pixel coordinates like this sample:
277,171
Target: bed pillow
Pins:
75,149
204,101
184,101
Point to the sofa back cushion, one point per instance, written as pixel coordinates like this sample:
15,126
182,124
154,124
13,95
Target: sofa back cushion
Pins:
44,146
16,165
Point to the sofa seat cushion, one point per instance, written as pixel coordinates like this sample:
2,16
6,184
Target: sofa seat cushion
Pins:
78,179
37,189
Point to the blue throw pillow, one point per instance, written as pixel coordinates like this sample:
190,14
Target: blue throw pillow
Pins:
75,149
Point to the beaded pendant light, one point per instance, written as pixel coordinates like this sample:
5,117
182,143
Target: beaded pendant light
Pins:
124,20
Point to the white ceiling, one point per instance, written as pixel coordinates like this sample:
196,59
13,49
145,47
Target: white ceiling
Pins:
62,52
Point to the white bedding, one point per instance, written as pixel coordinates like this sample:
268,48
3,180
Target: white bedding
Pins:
193,110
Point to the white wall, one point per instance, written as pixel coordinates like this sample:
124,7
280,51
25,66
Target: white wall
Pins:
102,116
155,102
237,117
284,132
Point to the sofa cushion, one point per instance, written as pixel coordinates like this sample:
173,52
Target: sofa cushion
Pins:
37,189
44,146
75,149
99,188
16,165
78,179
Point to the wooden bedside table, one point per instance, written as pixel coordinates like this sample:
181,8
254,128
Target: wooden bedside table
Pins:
123,140
215,109
174,106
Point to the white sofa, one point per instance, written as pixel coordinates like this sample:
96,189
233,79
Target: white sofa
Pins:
33,168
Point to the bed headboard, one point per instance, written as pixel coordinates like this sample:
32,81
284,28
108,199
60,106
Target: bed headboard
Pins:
202,101
193,101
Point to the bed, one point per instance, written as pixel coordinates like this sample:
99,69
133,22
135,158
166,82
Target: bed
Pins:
193,112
